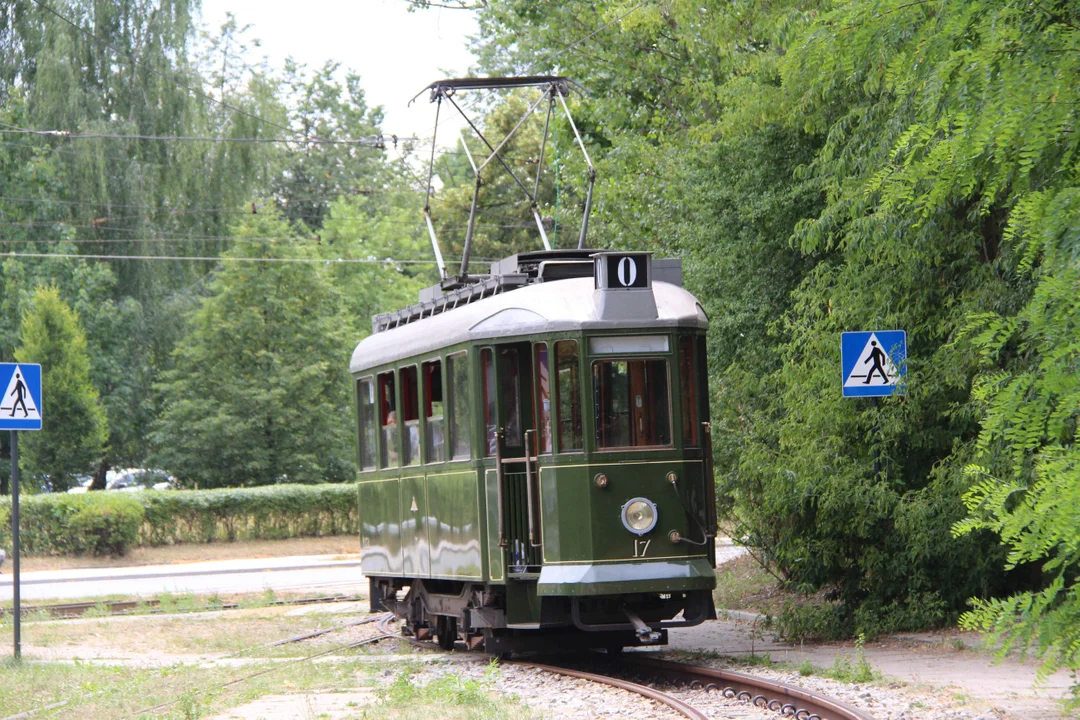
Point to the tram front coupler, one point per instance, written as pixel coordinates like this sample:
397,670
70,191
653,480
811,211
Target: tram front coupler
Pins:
645,634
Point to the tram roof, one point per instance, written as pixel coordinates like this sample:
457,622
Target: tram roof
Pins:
557,306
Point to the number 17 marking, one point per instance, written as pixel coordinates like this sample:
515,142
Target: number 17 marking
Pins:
641,547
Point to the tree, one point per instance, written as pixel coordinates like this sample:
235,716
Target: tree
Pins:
259,392
920,138
75,426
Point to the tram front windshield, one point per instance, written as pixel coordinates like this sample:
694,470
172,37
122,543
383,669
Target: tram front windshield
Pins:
631,403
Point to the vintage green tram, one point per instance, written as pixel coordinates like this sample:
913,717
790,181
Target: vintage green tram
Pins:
535,456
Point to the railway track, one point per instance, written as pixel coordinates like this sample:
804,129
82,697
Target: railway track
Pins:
786,700
382,632
648,676
639,674
131,607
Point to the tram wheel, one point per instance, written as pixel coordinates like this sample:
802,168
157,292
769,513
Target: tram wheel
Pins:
446,630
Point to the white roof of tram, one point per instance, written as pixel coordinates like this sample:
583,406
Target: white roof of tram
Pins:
557,306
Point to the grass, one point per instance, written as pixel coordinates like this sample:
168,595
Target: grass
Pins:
80,690
167,602
742,584
156,636
447,697
102,692
199,552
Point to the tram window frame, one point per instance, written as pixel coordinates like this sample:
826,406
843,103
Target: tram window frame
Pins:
702,380
489,398
599,426
388,449
542,369
509,374
456,406
574,440
689,390
409,378
367,430
432,385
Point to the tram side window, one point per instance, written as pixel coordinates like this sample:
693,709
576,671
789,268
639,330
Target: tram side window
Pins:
568,396
543,400
510,379
688,391
365,400
457,375
433,411
388,453
631,403
410,401
487,373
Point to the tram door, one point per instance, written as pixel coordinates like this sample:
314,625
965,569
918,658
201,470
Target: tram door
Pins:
509,375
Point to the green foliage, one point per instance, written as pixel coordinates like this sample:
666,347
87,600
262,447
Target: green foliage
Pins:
260,392
74,436
842,166
111,522
1026,487
85,524
262,513
105,524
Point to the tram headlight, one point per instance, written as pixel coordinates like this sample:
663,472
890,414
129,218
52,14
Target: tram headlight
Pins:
639,515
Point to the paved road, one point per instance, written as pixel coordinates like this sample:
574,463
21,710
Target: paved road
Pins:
311,572
332,573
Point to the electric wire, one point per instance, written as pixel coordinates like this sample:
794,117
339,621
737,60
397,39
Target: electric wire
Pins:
195,258
372,141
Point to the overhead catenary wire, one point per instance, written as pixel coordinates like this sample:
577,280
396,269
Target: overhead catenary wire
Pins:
193,258
377,141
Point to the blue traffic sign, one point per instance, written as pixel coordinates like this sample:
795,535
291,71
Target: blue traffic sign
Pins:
20,407
873,363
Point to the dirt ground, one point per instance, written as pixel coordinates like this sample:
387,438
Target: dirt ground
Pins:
949,664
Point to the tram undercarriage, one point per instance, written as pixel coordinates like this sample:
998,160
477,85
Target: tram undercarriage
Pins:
512,618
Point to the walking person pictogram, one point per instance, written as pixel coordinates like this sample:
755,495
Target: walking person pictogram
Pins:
877,355
19,392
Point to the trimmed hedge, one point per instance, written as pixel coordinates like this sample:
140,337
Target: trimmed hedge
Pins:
110,522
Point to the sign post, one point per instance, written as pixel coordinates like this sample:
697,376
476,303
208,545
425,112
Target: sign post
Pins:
20,409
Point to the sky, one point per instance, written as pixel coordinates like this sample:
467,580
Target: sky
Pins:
396,52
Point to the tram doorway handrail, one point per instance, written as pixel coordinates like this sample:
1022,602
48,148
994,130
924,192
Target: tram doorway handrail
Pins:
530,487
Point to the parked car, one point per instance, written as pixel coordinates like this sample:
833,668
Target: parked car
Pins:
129,480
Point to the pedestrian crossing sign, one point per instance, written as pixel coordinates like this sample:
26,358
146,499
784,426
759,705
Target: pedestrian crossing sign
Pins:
20,407
874,364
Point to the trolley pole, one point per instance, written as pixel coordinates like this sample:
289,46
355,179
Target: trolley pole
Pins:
17,609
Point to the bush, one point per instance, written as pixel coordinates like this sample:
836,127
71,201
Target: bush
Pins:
101,522
106,524
262,513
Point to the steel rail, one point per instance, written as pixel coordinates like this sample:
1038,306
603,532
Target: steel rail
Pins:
672,702
237,681
785,699
383,633
127,607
